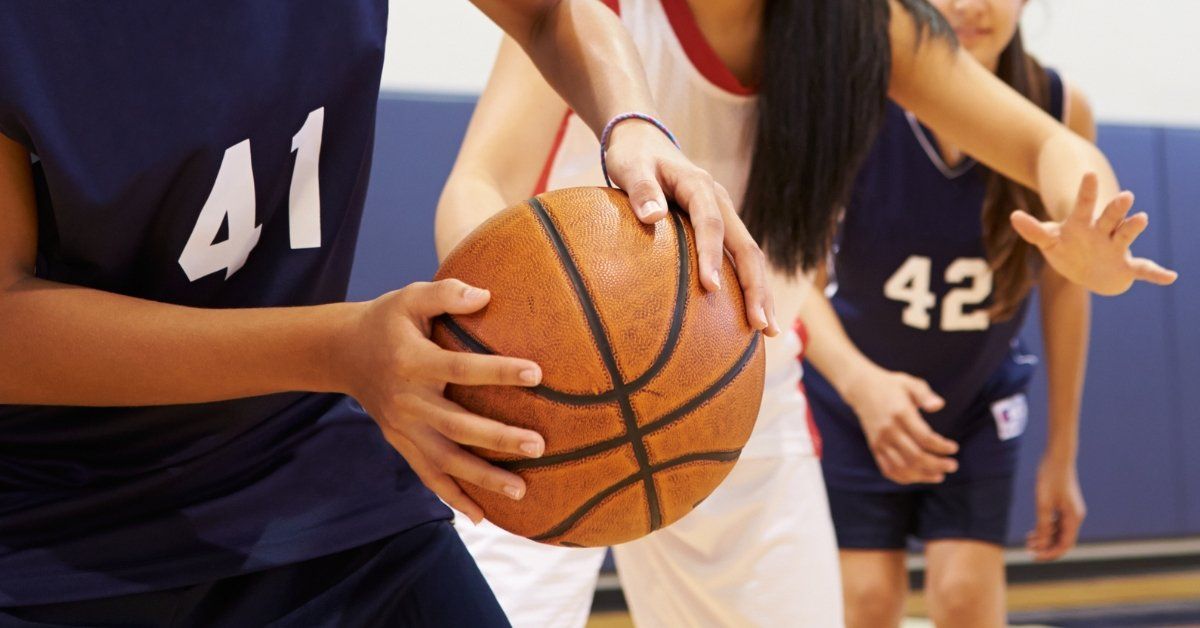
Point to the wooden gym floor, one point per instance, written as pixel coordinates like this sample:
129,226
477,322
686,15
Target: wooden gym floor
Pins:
1140,600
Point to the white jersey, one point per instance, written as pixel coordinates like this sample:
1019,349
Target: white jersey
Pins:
759,551
692,88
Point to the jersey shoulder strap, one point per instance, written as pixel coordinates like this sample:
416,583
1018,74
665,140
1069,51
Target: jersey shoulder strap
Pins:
1058,95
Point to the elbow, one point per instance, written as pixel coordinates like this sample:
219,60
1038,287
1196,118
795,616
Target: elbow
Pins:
538,20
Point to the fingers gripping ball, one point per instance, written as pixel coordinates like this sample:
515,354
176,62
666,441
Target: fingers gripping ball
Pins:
650,387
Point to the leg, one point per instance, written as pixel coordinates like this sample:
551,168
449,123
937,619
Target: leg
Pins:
874,585
964,523
872,533
422,577
760,551
539,586
965,583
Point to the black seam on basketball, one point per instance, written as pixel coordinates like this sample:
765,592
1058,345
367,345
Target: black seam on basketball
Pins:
708,393
570,399
660,361
569,522
649,428
607,355
681,290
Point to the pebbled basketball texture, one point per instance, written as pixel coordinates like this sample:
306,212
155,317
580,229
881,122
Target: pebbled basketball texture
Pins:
650,385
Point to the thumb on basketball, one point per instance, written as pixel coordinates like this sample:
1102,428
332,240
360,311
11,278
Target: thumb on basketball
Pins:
647,198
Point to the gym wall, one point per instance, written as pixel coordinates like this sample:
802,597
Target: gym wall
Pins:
1141,415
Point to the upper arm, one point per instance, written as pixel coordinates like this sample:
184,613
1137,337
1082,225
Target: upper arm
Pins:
507,143
18,214
1079,116
966,104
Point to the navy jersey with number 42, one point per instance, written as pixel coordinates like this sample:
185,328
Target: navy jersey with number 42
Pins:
208,153
913,286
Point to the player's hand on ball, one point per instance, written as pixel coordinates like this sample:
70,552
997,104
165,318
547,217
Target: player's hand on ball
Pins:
889,405
1060,510
644,163
1094,251
399,375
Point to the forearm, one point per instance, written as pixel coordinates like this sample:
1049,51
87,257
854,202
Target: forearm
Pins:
66,345
1062,161
1066,323
829,349
469,198
583,51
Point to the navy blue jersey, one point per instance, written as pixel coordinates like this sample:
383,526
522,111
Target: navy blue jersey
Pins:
209,153
913,287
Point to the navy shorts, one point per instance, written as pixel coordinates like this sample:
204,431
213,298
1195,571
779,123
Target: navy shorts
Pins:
419,577
975,510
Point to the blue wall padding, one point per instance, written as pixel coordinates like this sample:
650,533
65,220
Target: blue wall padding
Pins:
1182,155
416,141
1141,429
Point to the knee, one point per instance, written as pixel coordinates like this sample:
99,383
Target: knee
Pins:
956,598
873,599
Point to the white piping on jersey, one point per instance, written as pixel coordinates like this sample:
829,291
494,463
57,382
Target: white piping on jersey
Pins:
934,155
967,163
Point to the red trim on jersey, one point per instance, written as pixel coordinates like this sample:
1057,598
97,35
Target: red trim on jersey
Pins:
544,178
813,432
615,5
702,56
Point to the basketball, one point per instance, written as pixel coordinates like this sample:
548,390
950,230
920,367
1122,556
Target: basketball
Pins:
650,384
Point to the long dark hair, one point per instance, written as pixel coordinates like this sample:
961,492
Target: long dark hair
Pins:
821,100
1013,260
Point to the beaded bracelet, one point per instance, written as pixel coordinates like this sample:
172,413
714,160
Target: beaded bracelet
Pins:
632,115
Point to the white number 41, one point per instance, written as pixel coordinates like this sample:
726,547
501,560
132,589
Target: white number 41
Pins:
910,284
232,201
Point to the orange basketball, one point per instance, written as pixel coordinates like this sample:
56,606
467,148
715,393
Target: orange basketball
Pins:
650,384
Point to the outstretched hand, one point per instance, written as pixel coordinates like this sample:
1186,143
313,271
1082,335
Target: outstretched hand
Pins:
1093,251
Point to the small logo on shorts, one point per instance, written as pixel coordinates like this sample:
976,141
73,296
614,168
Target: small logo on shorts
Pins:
1011,414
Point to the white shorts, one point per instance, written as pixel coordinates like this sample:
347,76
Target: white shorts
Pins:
760,551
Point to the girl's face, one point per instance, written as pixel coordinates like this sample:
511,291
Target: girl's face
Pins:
984,27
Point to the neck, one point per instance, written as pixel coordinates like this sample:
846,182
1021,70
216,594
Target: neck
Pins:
737,13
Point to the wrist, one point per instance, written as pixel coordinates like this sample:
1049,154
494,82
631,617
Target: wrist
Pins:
636,129
336,347
635,132
853,376
1060,454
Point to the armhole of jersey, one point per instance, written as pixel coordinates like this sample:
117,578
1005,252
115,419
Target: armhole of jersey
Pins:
814,433
801,332
544,178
